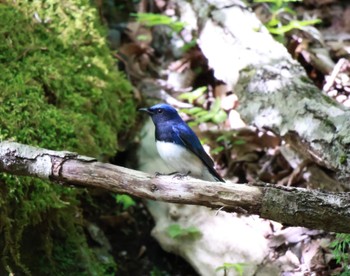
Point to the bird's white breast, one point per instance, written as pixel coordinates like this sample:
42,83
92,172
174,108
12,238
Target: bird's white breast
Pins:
182,160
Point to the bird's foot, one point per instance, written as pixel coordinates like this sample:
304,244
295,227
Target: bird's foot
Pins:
160,174
180,176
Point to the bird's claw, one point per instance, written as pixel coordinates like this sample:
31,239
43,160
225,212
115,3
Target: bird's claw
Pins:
157,174
181,175
176,175
161,174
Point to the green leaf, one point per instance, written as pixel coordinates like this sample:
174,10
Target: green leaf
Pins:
217,150
189,45
192,111
125,200
340,250
220,117
152,19
294,24
143,38
193,95
202,113
216,106
175,231
205,118
221,138
226,266
239,142
273,22
193,124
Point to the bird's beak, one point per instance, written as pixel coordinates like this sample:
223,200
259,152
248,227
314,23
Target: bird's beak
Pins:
146,110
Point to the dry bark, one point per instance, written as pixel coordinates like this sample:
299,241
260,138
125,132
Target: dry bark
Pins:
291,206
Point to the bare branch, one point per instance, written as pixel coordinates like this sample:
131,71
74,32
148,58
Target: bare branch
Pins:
314,209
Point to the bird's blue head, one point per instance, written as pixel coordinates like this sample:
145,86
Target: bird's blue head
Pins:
161,113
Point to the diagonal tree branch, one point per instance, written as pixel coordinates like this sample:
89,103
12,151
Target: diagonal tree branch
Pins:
292,206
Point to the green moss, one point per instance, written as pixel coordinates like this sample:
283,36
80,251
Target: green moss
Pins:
59,90
342,159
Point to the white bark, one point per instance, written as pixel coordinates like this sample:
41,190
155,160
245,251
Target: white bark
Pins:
274,91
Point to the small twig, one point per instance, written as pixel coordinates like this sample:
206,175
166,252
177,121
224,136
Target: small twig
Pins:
331,79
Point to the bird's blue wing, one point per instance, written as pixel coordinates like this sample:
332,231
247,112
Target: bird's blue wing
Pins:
185,136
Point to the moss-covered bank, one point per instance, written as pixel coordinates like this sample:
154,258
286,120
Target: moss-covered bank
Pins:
59,90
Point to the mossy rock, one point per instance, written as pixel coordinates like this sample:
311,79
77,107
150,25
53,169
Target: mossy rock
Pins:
59,89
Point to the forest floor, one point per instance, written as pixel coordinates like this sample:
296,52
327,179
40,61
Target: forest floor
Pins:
166,65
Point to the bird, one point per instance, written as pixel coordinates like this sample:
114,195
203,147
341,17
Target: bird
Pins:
179,146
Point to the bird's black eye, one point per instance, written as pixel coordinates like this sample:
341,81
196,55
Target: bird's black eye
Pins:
160,110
